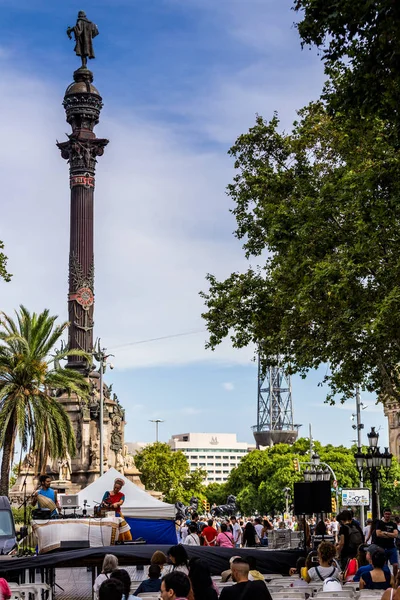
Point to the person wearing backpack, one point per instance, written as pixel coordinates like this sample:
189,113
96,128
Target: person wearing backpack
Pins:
350,537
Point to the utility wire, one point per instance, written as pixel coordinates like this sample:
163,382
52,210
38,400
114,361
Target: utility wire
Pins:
164,337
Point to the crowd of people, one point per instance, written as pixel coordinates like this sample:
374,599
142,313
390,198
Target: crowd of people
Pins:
229,532
175,576
365,553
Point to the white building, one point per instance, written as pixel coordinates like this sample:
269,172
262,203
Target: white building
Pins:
216,453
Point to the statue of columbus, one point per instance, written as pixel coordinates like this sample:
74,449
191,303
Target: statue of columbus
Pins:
84,32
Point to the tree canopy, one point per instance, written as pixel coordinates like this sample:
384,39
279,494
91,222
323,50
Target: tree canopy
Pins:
259,480
29,374
3,263
168,471
318,206
360,46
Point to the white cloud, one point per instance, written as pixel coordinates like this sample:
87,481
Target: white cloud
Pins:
162,214
228,386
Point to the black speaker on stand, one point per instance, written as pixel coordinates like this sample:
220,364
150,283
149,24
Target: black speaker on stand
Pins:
311,498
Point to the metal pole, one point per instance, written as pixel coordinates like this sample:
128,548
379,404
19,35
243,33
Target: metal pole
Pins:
157,430
101,413
374,477
311,450
359,443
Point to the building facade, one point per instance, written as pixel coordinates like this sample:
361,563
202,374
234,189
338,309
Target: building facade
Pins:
216,453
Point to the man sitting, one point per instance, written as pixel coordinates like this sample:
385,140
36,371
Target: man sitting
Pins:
244,589
370,551
111,589
175,585
153,583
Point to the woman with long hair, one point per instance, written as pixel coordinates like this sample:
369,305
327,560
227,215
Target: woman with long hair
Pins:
267,526
377,579
249,535
179,558
110,564
200,578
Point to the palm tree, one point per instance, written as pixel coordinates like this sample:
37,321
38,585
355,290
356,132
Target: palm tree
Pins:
29,374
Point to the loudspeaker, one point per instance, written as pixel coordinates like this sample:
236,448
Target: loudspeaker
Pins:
41,514
74,544
312,497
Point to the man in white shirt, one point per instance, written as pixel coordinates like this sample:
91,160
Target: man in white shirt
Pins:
258,527
192,539
335,528
236,532
184,531
367,532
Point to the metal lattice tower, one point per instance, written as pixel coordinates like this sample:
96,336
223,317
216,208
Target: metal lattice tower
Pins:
274,408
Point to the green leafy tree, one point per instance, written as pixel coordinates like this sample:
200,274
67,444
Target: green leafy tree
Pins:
167,471
3,263
28,375
318,207
360,45
271,470
216,493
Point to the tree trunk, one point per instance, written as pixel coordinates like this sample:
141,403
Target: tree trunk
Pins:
6,459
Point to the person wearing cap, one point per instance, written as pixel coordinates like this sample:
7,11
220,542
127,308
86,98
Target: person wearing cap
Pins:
385,536
377,579
370,551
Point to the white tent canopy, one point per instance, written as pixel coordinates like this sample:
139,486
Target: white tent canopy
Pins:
138,503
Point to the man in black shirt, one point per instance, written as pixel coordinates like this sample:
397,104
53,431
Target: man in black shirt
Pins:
350,537
385,536
244,589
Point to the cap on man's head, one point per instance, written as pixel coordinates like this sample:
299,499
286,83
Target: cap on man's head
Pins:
372,548
332,585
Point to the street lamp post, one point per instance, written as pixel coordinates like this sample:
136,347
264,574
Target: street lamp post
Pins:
100,355
156,421
320,471
372,462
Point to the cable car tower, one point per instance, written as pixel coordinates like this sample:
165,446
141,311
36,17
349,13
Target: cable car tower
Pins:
274,408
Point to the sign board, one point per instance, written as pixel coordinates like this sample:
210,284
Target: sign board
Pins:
355,497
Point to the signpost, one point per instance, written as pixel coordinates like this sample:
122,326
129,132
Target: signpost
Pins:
355,497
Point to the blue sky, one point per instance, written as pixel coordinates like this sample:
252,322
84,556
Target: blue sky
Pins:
180,79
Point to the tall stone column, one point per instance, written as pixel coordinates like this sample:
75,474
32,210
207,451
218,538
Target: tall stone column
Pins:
82,103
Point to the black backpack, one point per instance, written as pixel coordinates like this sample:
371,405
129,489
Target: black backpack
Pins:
355,537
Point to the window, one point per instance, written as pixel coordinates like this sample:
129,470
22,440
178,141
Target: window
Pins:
218,471
202,464
218,479
194,464
210,464
193,457
210,472
225,457
225,464
201,456
185,438
225,472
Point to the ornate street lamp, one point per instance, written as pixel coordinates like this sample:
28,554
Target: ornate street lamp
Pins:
373,461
